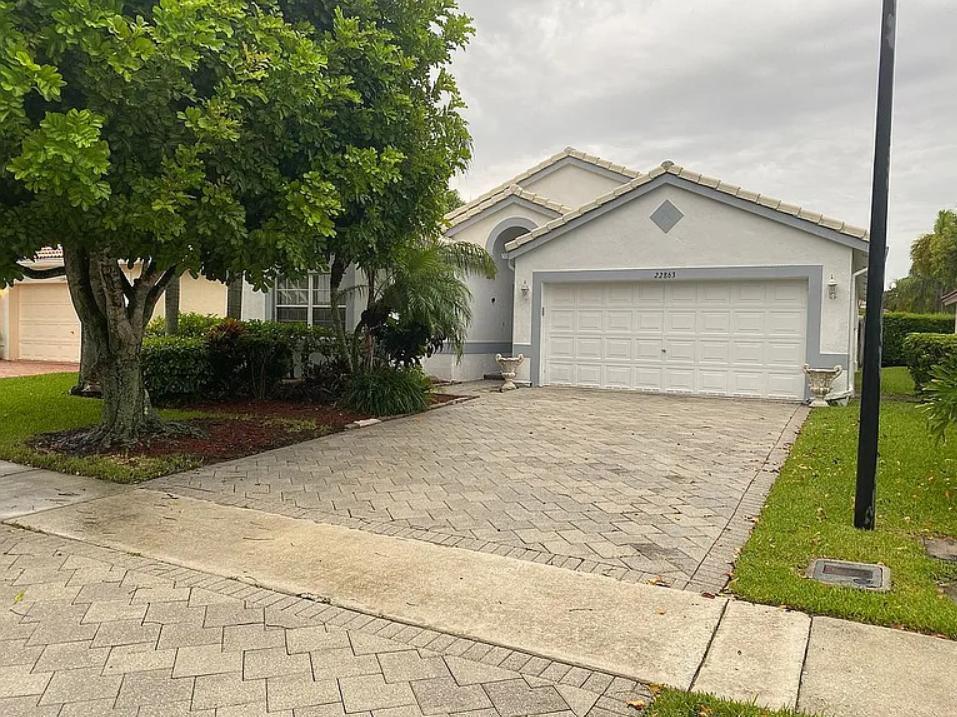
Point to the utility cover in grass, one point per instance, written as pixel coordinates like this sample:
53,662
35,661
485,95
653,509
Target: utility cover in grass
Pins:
942,548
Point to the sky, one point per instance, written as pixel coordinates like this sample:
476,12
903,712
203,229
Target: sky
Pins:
777,96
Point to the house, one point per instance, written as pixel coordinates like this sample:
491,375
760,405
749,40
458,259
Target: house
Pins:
948,300
665,281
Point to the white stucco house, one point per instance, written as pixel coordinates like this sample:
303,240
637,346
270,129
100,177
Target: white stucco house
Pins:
665,281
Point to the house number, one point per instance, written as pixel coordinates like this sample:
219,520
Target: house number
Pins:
666,274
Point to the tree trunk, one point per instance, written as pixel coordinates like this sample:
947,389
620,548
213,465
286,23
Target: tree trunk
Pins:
336,272
114,311
171,303
88,381
234,298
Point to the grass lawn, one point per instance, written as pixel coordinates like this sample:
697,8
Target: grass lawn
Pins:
42,404
809,515
896,383
673,703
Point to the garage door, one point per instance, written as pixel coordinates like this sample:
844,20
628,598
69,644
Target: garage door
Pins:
743,338
49,329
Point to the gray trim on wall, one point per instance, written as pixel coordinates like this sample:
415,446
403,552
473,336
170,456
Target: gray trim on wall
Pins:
672,180
505,225
813,274
487,347
509,201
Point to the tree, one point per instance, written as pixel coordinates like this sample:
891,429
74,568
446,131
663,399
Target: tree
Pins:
933,269
219,137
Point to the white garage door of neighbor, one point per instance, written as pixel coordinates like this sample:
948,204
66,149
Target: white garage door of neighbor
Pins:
742,338
49,328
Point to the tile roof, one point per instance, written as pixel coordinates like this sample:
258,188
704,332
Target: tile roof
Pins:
949,298
511,190
49,252
452,217
700,179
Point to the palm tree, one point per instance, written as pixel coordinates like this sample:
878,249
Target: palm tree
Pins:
425,286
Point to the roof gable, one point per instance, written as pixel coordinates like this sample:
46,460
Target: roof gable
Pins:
670,173
513,193
567,155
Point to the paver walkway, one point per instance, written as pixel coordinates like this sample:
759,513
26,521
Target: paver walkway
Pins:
89,631
635,487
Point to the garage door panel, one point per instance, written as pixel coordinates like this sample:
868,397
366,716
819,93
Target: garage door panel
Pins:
743,338
49,329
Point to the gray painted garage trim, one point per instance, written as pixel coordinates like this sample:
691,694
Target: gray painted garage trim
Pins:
487,347
814,275
509,201
672,180
575,162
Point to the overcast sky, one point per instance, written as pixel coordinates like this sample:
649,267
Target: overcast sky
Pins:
775,95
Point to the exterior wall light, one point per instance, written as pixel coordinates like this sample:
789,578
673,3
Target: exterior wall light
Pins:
832,287
525,289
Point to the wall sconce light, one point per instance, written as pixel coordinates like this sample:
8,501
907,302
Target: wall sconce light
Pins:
525,289
832,287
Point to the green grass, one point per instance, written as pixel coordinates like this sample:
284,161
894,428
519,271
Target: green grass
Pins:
809,515
896,382
673,703
42,404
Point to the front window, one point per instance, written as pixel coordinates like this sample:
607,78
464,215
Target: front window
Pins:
306,301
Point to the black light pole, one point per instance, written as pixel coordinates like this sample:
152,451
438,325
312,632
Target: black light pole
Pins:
866,494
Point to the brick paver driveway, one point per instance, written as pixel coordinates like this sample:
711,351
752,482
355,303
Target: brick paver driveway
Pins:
636,487
16,369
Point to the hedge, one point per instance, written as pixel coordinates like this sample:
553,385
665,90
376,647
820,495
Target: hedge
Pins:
924,352
176,366
897,326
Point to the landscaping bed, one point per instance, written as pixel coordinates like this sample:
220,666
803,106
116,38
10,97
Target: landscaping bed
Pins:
809,514
37,410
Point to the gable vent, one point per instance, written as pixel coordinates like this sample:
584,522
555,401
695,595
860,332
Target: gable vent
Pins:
666,216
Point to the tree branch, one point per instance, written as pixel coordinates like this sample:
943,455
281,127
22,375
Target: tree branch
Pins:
51,273
159,287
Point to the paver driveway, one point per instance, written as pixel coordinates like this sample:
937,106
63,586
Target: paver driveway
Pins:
636,487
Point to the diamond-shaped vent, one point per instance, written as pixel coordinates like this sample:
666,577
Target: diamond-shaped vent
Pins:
853,575
667,216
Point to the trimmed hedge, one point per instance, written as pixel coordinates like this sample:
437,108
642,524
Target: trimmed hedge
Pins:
190,324
925,352
388,391
898,325
176,366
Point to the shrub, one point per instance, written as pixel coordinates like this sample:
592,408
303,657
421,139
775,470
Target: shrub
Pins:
923,352
941,393
176,366
387,391
897,326
190,324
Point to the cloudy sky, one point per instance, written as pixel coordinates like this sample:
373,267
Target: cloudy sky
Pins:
775,95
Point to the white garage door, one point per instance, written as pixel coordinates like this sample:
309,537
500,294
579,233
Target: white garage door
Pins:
49,329
743,338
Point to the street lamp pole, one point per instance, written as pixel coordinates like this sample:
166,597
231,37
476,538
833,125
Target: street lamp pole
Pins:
867,446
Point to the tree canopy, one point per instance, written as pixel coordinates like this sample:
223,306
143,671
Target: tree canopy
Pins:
933,269
222,137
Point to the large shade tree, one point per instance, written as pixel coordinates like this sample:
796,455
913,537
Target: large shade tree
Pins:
933,269
219,137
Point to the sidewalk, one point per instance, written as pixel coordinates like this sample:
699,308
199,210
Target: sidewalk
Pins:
733,649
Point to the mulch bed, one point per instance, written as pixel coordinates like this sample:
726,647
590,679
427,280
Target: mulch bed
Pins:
247,427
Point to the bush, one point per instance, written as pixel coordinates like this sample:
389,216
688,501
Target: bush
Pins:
190,324
176,367
898,325
924,352
941,393
387,391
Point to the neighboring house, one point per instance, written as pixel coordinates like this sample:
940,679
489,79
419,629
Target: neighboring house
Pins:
951,300
668,281
38,321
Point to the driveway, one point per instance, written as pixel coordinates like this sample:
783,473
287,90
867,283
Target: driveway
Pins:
15,369
636,487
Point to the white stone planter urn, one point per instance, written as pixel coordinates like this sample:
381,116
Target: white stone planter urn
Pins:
820,381
509,366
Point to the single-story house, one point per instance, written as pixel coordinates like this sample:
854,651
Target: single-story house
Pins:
950,299
666,281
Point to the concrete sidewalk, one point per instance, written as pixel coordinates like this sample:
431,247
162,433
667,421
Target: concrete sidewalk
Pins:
26,490
733,649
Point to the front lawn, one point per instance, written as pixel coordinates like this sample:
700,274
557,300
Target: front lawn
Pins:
896,383
809,515
673,703
42,404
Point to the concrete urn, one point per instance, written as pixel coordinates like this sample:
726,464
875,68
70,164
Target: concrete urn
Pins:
509,366
820,381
